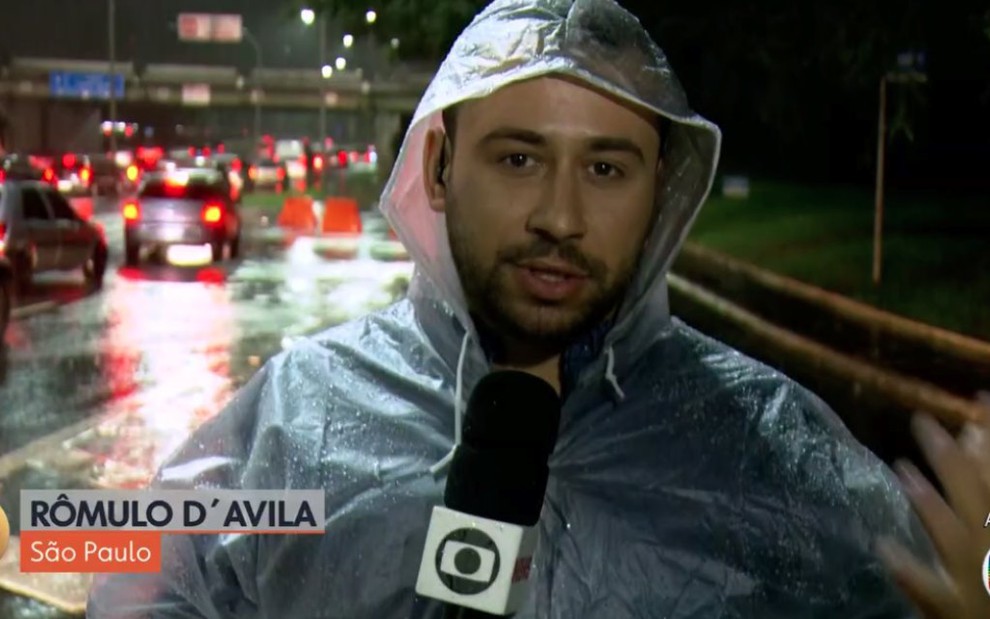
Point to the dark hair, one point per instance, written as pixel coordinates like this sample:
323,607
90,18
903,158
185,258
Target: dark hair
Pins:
449,116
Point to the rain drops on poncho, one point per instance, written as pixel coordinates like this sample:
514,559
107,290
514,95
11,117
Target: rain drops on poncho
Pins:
688,481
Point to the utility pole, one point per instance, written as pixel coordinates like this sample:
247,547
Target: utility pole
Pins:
112,41
256,93
323,88
878,196
909,73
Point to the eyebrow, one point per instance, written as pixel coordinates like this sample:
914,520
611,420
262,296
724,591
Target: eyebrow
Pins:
596,144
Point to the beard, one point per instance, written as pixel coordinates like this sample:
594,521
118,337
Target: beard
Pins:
491,295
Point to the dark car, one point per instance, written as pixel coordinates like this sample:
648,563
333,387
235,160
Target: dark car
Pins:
40,231
182,207
18,168
107,177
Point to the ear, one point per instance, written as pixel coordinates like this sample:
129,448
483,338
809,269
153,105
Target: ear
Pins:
433,183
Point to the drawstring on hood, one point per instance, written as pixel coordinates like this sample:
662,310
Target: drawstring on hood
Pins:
610,373
441,466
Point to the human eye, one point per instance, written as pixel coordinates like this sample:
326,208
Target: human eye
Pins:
517,161
604,169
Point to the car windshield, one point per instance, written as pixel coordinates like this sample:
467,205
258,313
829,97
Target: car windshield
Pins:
193,189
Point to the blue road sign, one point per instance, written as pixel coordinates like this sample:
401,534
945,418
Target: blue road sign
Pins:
84,85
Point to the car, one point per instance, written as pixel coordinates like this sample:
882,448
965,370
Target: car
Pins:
73,174
6,284
18,167
267,174
201,162
182,207
40,231
235,170
107,177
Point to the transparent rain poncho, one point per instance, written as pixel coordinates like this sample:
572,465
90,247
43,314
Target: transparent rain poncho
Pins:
688,480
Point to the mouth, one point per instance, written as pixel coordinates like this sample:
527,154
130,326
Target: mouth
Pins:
552,271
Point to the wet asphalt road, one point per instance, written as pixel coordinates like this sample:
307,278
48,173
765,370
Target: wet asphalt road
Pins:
98,390
159,336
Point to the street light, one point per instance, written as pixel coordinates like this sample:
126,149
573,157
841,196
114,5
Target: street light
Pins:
308,16
327,71
341,63
348,40
370,16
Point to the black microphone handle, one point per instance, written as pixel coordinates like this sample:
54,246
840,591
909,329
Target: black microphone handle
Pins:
451,611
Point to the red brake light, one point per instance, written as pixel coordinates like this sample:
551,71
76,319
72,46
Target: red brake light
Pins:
342,159
236,166
221,148
3,231
281,174
212,213
132,173
49,175
3,176
68,160
192,151
206,151
132,211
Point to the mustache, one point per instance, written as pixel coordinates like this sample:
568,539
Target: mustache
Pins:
565,252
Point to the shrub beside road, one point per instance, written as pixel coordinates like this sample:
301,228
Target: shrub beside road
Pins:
936,248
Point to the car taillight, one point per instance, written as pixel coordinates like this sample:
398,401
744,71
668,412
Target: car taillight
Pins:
85,175
132,211
212,213
3,232
281,174
132,173
3,176
68,160
236,166
253,173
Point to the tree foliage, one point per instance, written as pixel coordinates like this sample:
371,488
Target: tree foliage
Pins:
799,79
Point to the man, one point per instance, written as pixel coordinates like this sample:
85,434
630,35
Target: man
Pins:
687,482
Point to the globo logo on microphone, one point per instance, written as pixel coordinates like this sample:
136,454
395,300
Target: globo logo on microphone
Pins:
475,562
467,561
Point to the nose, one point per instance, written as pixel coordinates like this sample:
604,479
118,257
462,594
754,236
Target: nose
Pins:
559,215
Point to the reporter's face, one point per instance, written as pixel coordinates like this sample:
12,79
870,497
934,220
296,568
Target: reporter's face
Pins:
548,198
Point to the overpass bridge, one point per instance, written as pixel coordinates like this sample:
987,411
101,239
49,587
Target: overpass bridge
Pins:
358,107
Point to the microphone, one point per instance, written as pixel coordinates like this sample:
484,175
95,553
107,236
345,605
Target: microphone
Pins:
480,543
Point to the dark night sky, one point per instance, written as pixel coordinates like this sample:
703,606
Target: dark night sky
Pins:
832,142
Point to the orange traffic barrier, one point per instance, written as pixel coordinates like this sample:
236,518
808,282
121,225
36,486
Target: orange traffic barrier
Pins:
297,214
341,216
